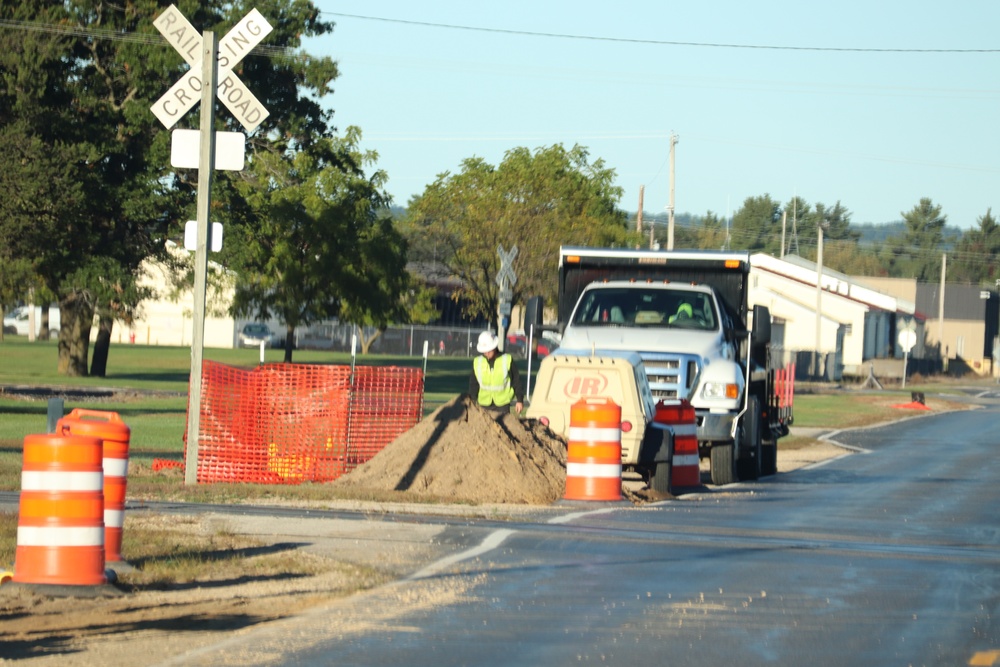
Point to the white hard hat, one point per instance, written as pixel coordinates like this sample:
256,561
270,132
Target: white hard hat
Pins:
487,341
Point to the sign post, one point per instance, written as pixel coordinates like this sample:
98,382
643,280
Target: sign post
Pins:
506,279
907,339
205,169
210,75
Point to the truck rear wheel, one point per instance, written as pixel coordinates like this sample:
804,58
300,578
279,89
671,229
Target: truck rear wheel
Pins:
724,464
769,457
659,477
749,465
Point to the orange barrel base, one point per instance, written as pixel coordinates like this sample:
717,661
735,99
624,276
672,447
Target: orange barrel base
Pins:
115,436
594,451
680,416
60,530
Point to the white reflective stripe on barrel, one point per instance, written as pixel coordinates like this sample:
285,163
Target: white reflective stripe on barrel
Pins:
114,518
684,429
115,467
590,434
593,470
61,536
686,460
44,480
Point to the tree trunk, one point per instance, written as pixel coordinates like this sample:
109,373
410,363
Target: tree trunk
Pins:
43,327
99,362
76,316
367,343
289,343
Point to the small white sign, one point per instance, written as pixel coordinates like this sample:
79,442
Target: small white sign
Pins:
185,150
191,236
907,339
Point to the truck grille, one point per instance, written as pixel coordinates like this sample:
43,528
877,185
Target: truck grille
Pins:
670,375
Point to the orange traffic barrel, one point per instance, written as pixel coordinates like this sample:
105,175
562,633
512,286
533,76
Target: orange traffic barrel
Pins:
115,436
60,529
594,451
680,416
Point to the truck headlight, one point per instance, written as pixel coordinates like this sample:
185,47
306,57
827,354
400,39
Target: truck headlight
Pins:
720,390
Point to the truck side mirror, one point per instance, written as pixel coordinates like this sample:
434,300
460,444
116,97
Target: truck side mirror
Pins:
533,312
761,326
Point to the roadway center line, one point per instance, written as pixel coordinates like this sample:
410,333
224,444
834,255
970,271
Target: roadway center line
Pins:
492,541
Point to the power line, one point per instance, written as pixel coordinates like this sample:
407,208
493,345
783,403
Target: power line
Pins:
654,42
145,38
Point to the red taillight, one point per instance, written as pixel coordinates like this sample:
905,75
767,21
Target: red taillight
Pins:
626,427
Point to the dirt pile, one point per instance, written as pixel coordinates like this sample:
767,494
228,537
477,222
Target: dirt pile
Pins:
462,452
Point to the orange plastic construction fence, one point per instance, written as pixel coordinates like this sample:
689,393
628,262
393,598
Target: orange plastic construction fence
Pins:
291,423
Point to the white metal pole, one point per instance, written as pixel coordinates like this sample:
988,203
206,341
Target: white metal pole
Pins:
206,166
819,294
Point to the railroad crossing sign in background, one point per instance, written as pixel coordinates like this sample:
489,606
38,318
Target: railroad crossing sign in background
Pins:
506,279
187,92
210,75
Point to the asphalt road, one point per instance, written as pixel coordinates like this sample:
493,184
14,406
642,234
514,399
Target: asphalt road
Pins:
889,557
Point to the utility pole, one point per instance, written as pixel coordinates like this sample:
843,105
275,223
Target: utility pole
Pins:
784,220
819,294
795,226
944,271
670,219
638,217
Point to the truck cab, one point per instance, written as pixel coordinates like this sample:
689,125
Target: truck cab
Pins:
686,314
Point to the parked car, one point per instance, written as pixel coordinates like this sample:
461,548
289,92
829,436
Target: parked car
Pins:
517,344
16,322
255,333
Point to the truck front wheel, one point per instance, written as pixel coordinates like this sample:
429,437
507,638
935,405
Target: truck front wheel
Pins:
724,464
659,477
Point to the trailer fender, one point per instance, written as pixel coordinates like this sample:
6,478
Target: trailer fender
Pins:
657,444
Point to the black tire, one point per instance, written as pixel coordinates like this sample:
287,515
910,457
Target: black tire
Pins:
749,465
769,457
659,477
723,458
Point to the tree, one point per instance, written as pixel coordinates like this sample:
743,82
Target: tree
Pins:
977,253
711,234
756,226
916,254
536,201
319,241
94,75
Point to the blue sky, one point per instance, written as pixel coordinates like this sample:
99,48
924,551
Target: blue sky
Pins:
875,129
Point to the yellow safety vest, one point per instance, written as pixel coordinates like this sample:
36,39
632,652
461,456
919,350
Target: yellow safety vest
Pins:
494,383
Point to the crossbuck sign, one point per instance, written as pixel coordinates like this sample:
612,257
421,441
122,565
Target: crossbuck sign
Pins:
237,43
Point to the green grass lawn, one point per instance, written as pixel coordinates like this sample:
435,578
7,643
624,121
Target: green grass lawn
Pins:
156,412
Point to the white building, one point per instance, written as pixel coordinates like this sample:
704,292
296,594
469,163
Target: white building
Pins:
857,324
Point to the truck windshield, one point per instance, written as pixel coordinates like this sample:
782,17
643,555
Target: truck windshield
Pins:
637,307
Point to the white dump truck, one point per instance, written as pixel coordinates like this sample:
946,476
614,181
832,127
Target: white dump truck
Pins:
686,315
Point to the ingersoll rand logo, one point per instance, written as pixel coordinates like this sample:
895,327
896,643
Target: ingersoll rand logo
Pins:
586,386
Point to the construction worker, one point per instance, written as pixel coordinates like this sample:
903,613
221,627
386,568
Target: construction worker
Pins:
684,312
495,380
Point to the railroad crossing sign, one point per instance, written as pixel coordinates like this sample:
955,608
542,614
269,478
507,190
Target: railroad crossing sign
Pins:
237,43
506,272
